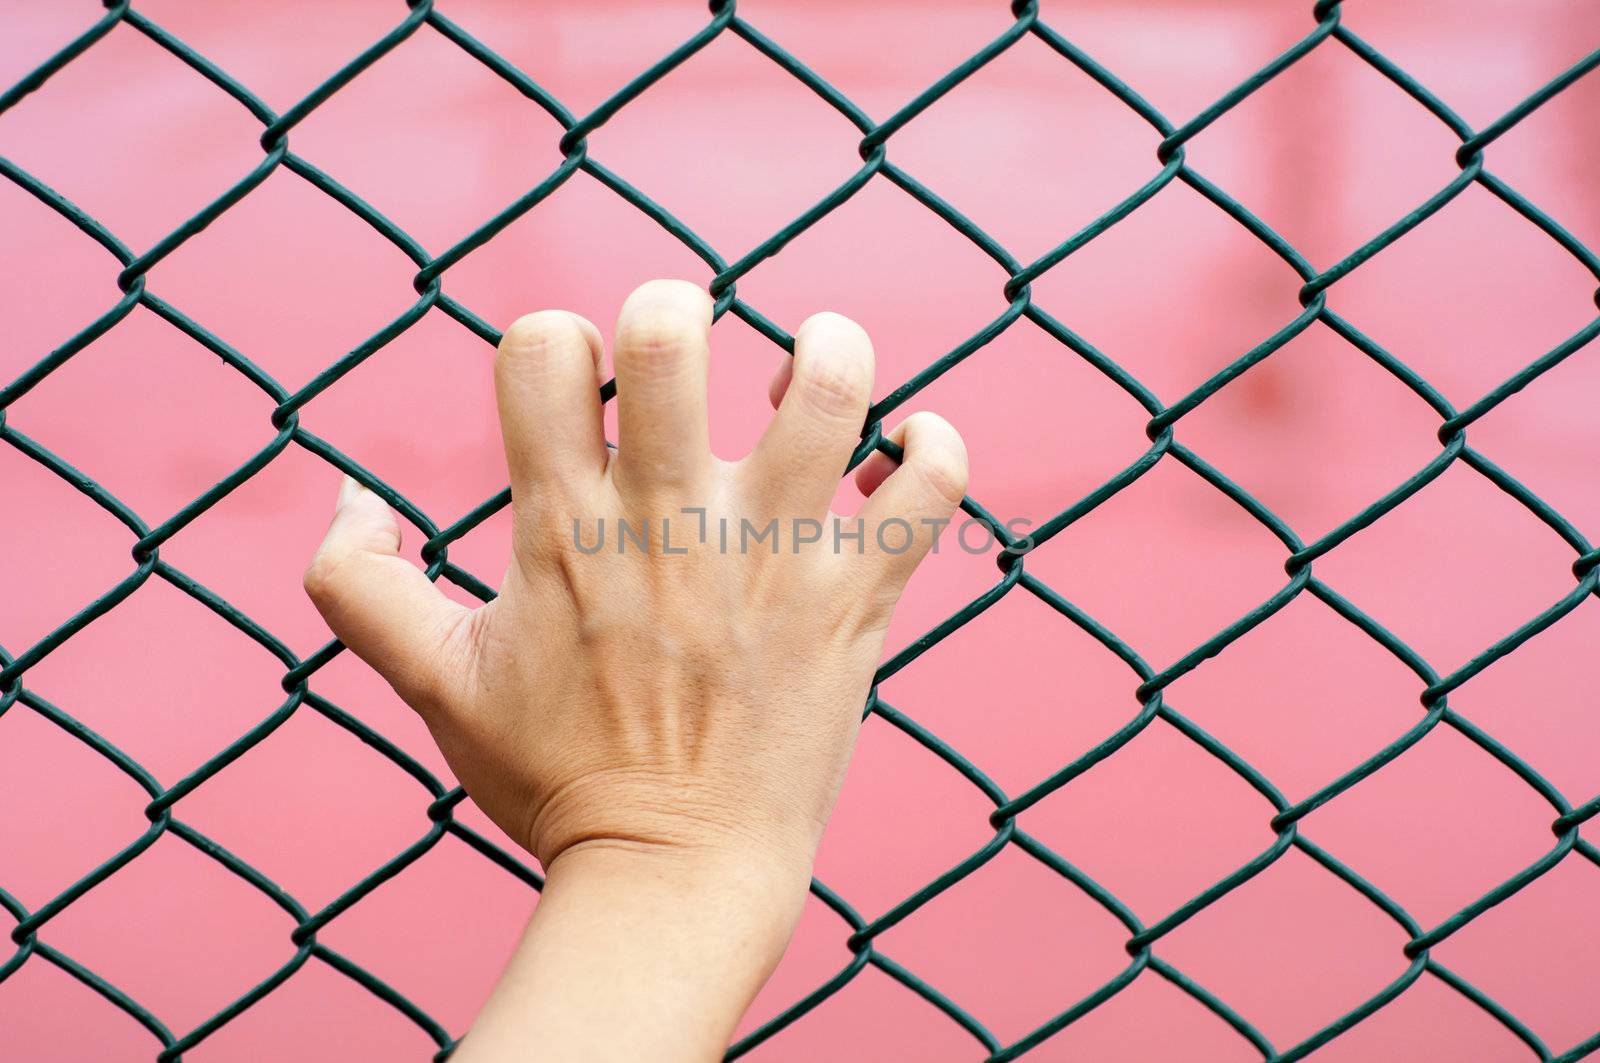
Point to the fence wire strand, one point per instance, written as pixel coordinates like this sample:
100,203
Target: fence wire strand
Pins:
133,289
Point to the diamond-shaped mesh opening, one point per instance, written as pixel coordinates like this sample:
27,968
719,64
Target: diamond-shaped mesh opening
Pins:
419,180
144,379
1496,291
715,114
1295,971
1005,925
80,815
84,549
1453,596
141,179
1041,136
1438,828
1063,689
52,280
1555,930
1348,155
281,243
1210,290
330,771
895,250
142,931
1220,571
892,779
1316,432
1303,699
1202,819
447,965
183,654
43,1002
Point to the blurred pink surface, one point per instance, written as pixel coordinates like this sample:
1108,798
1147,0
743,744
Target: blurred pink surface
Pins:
1031,149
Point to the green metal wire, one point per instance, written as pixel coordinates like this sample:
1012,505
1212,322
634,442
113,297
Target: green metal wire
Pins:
1014,289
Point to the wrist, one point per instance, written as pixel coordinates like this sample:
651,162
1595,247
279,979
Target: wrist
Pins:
747,889
686,822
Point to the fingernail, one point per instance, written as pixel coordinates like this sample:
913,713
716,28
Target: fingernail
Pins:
349,487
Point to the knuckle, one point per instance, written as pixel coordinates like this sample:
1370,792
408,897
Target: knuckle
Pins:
657,340
661,323
833,385
533,337
321,577
545,529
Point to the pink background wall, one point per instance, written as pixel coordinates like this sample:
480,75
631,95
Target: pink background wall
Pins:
1031,149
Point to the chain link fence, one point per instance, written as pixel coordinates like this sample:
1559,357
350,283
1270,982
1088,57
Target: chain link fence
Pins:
30,934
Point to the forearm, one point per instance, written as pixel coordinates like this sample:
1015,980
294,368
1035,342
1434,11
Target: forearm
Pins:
636,955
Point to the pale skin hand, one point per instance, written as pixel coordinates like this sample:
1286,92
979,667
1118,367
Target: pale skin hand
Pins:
665,733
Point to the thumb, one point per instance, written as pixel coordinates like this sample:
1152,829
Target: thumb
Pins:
379,604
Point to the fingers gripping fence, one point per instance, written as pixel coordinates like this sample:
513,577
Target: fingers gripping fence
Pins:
31,931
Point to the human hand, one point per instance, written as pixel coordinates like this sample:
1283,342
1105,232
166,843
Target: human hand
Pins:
690,705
